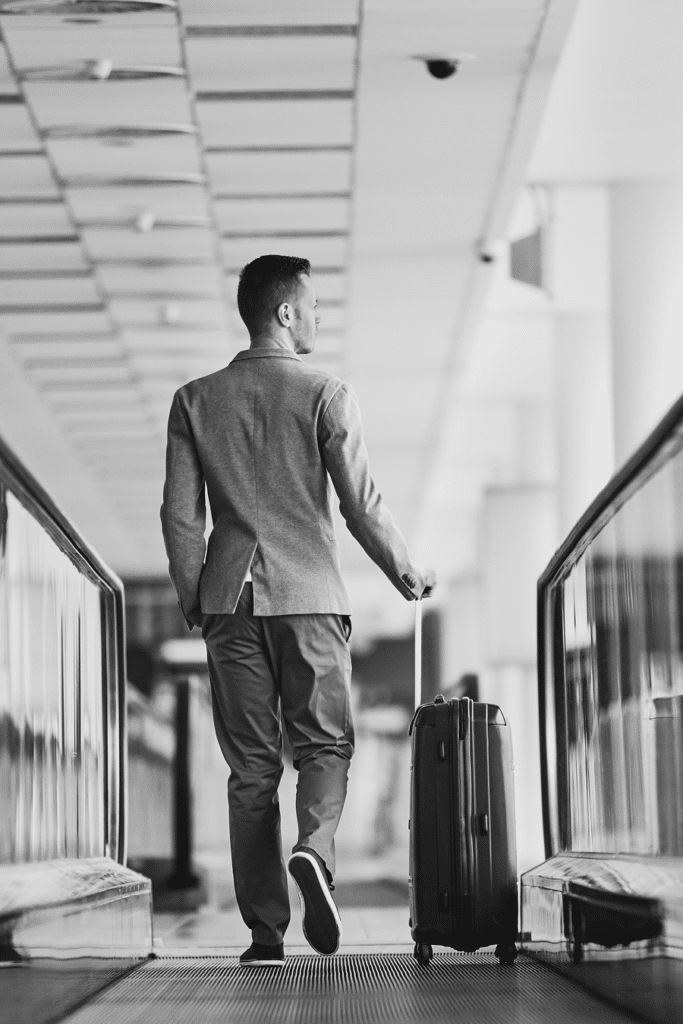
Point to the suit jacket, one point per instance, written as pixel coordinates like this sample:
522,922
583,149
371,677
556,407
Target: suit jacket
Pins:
266,434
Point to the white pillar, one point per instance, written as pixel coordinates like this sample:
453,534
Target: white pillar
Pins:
647,306
583,397
580,282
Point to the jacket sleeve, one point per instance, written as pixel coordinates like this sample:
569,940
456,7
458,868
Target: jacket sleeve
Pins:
183,512
361,504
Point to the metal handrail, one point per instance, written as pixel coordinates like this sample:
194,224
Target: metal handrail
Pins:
35,499
659,447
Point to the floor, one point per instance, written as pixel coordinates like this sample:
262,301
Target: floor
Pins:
374,919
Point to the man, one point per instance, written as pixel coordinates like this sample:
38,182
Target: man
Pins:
264,436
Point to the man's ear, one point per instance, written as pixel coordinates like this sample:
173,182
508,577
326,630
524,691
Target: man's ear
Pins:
284,314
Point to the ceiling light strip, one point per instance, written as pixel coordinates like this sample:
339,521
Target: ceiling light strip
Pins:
156,181
331,148
310,233
217,31
52,307
30,200
275,196
44,275
271,95
37,239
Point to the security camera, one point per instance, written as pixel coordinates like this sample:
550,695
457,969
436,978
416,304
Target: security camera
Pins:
441,67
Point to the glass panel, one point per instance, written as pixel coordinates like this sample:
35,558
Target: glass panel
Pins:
52,757
622,685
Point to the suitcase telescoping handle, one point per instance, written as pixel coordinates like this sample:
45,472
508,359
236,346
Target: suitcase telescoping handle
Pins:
418,652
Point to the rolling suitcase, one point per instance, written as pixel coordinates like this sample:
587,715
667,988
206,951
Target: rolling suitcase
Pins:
463,857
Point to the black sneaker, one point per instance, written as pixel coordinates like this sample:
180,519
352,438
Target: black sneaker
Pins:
322,924
263,956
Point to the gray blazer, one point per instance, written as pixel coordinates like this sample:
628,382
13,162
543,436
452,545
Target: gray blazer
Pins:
266,434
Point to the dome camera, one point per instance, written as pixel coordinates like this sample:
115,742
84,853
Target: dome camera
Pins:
441,67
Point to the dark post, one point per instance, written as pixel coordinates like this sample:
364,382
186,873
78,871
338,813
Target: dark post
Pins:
183,876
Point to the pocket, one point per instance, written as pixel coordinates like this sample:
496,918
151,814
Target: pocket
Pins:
346,623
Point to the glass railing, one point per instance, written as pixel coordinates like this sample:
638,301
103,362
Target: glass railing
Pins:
611,664
62,684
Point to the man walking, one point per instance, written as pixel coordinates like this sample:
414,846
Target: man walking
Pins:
264,436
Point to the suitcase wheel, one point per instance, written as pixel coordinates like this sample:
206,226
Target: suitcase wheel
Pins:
423,953
506,952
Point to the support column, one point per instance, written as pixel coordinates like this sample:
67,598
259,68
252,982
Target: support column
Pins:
583,397
647,306
580,280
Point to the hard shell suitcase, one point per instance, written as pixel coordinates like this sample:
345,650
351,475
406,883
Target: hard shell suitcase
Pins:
463,856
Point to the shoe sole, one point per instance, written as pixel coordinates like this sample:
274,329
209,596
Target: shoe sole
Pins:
262,963
309,874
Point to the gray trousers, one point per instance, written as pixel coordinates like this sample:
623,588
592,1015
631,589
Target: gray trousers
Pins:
259,666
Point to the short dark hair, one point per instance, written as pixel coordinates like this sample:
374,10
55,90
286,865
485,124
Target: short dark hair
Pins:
264,284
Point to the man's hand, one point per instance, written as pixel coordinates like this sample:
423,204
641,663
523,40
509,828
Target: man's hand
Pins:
425,583
430,579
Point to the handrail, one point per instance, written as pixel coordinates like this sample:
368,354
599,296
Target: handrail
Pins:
658,448
35,499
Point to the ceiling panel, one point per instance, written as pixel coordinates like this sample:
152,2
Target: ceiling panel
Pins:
168,282
160,243
38,258
125,414
104,158
57,323
322,252
62,291
201,342
173,315
176,368
269,12
26,176
34,219
278,173
75,371
282,214
67,349
16,130
46,49
276,123
271,63
164,201
160,101
155,18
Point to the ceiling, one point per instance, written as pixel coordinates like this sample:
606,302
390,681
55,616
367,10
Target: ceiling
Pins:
148,153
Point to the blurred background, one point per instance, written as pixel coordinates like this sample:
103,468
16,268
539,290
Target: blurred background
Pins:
499,260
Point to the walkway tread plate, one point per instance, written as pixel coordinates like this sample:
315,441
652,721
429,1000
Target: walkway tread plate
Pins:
348,989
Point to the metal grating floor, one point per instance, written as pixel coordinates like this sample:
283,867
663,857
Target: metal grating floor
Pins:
347,989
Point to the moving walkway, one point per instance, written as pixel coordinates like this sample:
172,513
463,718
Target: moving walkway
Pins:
604,910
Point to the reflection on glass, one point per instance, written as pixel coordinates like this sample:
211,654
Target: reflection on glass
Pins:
52,764
622,665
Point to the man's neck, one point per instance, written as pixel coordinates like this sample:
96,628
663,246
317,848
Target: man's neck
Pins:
272,339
